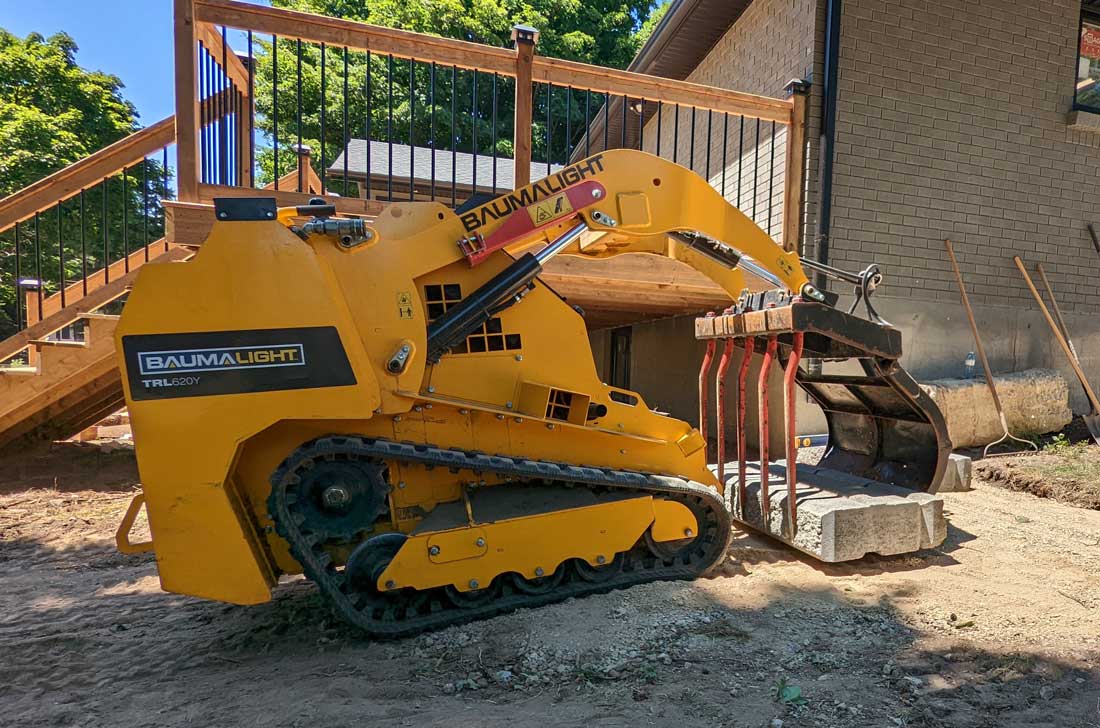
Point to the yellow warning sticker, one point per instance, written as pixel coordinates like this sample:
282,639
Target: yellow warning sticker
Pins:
550,209
405,305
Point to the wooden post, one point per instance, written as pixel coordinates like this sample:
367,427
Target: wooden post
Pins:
187,101
793,193
525,38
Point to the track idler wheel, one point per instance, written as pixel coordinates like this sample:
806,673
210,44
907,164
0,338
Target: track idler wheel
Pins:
668,552
473,598
369,560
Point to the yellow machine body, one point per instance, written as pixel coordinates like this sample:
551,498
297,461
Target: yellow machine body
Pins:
209,438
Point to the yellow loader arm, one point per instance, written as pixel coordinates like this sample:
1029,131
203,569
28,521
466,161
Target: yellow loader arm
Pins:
634,202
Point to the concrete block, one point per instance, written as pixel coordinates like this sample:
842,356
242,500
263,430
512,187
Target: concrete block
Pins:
1036,401
841,517
956,479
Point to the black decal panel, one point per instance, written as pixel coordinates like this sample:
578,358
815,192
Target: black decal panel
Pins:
166,366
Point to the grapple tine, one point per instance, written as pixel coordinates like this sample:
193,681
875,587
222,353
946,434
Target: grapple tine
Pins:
704,372
789,376
742,457
765,369
720,409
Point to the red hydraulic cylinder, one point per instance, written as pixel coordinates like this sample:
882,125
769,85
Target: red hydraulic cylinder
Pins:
720,406
765,368
789,377
742,456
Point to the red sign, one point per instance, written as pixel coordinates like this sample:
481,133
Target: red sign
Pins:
1090,42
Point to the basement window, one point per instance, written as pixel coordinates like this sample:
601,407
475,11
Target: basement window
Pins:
1087,97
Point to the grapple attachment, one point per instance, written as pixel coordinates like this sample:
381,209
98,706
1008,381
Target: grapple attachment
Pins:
882,426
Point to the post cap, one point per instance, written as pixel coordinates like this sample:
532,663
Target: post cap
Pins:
797,86
302,149
525,34
32,283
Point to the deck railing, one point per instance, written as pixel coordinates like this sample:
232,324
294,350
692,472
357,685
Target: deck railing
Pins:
395,115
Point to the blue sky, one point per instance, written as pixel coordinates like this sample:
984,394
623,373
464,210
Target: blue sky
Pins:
129,38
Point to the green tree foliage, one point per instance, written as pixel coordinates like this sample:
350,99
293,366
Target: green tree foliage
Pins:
54,113
405,106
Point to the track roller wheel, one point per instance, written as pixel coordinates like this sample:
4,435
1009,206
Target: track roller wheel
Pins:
474,597
598,574
540,584
668,552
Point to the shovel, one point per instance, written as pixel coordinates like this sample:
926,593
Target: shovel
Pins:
1092,419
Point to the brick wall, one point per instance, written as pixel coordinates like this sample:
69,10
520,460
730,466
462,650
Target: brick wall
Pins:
770,44
952,122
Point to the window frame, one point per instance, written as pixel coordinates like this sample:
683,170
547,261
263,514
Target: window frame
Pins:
1090,16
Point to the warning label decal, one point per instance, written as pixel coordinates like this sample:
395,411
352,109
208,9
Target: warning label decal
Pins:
550,209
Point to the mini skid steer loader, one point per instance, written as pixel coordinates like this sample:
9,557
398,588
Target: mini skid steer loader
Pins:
401,410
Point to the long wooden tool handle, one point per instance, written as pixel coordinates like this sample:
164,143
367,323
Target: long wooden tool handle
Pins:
1058,335
1057,310
1095,239
974,328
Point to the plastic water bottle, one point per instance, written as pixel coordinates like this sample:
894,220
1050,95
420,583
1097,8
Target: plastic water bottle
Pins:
968,366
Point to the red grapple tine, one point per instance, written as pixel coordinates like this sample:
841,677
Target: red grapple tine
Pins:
704,372
742,456
720,407
789,375
765,368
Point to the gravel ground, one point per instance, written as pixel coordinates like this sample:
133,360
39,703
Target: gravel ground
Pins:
998,627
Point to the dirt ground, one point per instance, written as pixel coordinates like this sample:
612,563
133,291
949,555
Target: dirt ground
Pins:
1066,472
998,627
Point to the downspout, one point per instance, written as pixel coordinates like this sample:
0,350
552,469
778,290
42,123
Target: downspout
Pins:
828,134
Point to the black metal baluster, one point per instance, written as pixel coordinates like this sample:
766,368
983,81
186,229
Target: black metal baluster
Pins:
431,125
454,137
740,160
61,254
549,137
125,222
660,113
204,143
691,156
389,129
163,209
606,120
676,136
223,100
83,244
106,236
412,129
473,132
38,264
19,274
275,103
725,146
251,115
641,124
756,171
622,124
298,118
346,131
324,109
494,134
710,127
771,180
369,171
568,124
587,123
145,207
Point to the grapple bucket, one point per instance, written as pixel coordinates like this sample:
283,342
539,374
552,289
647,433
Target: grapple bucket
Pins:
882,426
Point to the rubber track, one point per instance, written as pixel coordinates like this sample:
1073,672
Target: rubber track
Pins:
407,612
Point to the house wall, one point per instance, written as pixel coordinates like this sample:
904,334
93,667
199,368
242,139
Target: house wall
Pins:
770,44
952,123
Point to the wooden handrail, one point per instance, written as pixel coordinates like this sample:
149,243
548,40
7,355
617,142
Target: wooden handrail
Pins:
66,182
655,88
356,36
